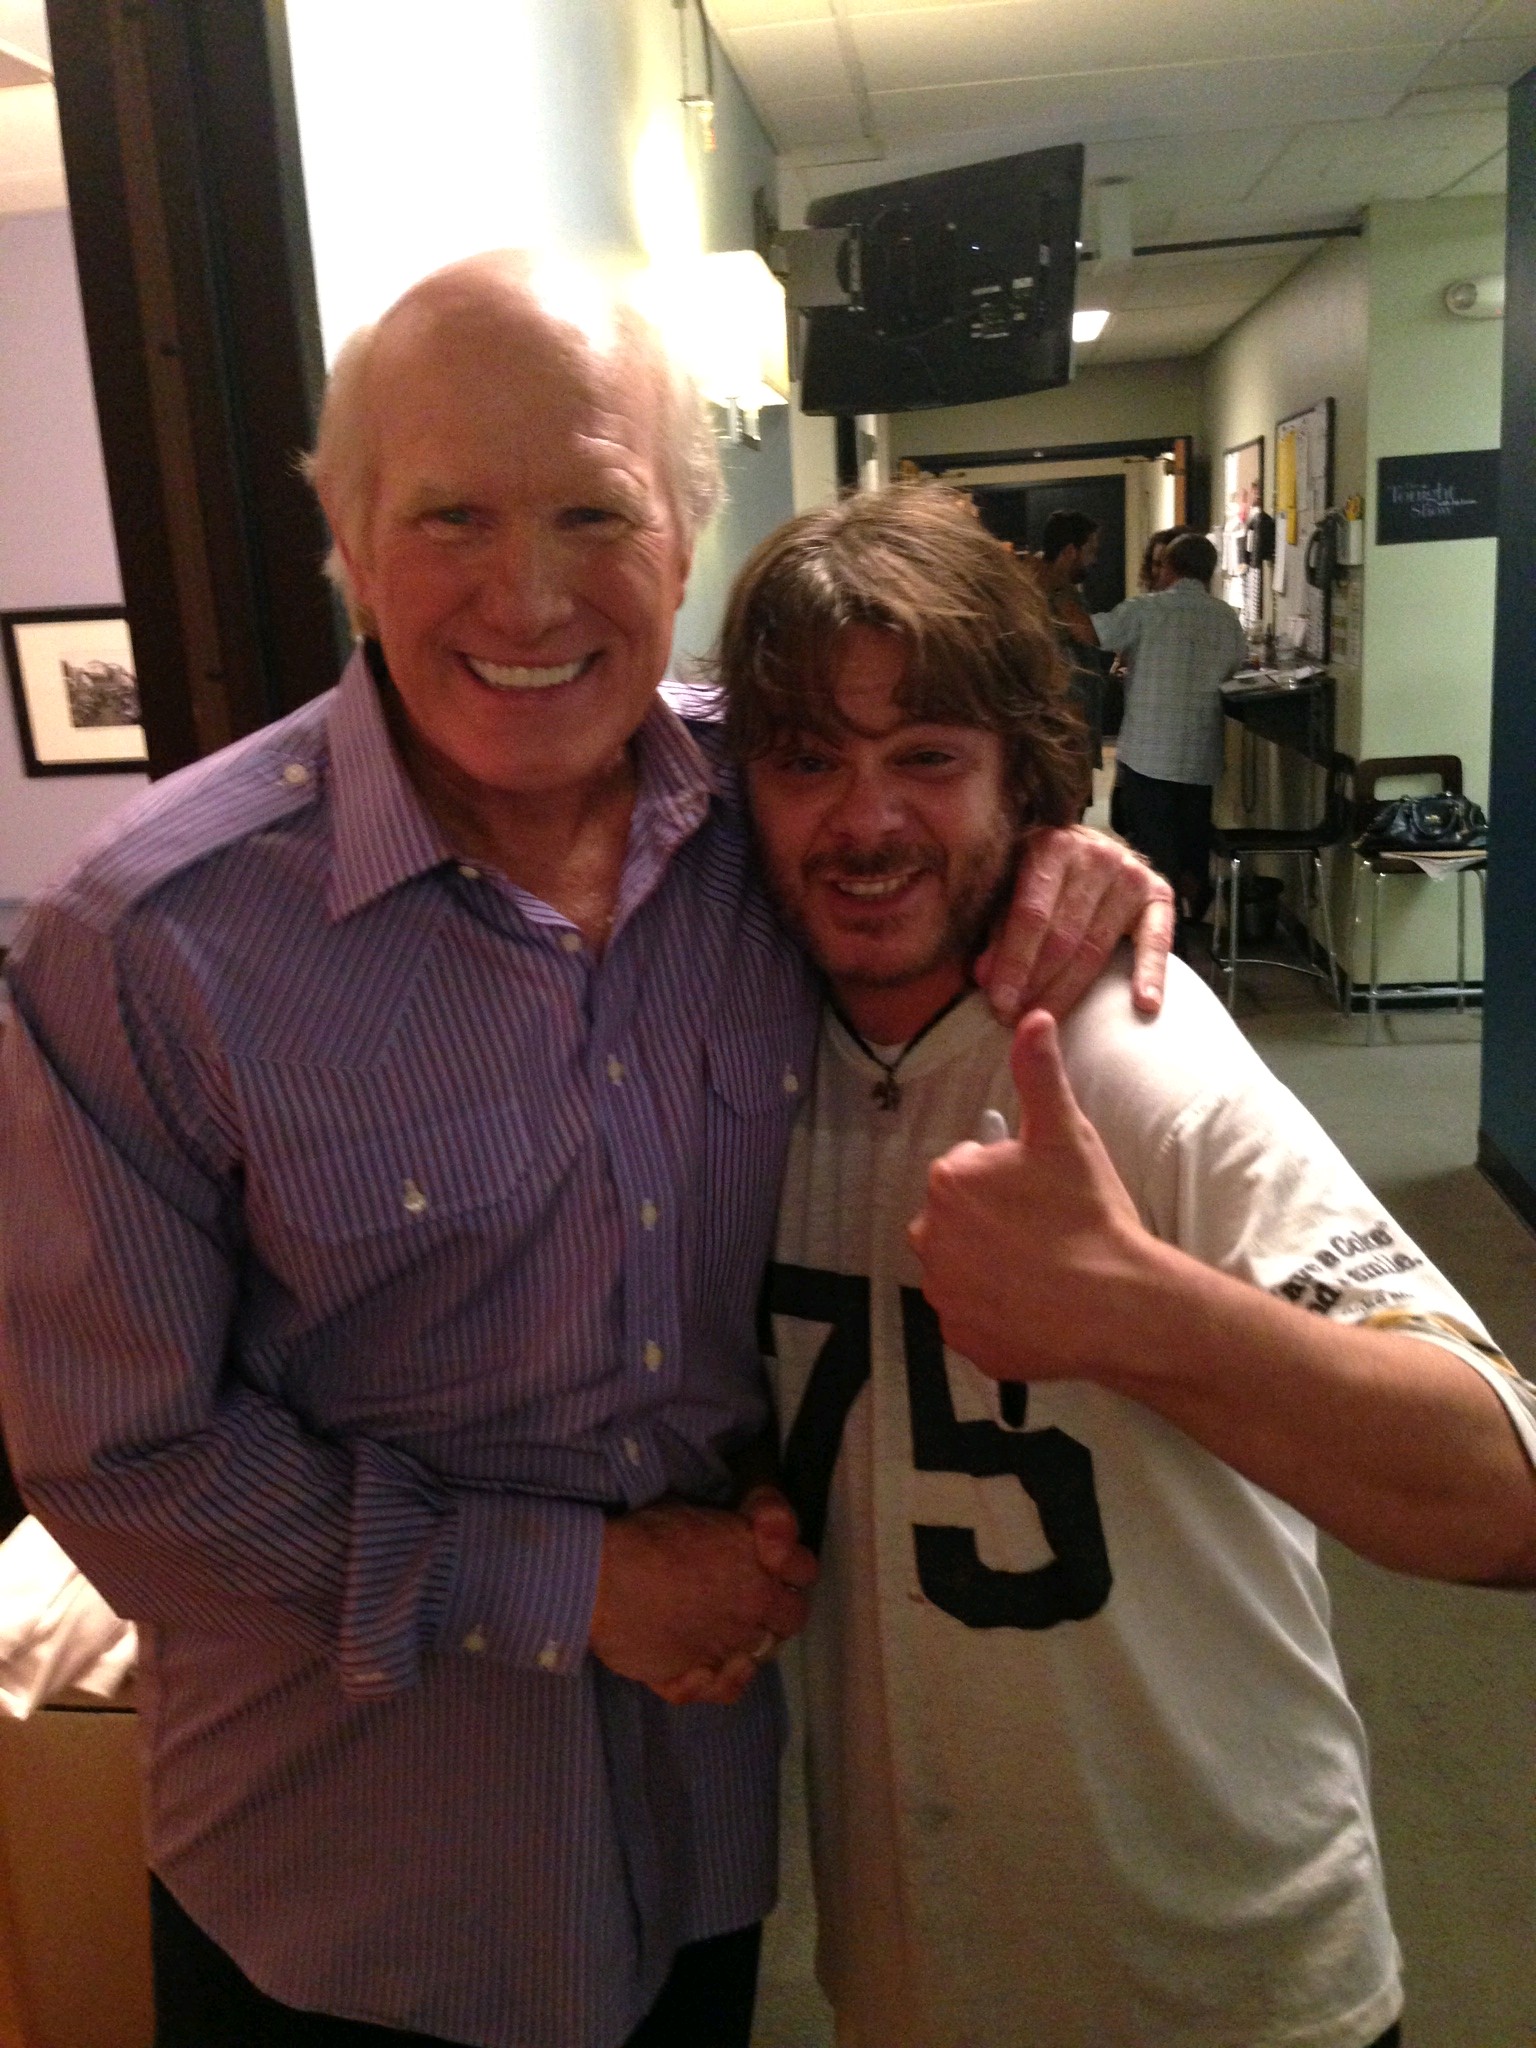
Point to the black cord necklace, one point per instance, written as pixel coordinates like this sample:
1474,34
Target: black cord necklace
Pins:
887,1090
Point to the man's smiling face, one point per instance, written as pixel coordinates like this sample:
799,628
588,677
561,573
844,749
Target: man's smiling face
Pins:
522,562
886,844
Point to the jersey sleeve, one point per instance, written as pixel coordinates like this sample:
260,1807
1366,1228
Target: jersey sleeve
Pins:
1223,1161
1251,1183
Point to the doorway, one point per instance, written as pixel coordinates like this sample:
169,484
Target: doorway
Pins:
1018,512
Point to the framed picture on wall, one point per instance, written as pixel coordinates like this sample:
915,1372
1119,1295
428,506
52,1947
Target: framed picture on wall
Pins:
1242,487
75,690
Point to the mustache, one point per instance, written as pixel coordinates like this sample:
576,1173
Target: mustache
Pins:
875,864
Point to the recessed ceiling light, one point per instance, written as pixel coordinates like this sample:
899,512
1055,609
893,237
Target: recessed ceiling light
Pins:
1089,324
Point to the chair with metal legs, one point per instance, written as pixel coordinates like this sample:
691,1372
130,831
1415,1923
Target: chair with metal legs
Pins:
1233,845
1444,770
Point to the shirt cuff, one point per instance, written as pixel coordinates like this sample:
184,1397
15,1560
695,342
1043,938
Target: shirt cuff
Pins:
524,1580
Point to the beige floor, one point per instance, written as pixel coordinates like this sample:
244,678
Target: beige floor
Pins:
1444,1677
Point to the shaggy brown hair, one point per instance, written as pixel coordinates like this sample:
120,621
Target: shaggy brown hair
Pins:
915,561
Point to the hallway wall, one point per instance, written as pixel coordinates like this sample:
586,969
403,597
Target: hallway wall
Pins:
1304,343
1116,402
56,544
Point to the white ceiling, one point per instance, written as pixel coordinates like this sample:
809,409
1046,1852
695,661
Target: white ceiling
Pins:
1229,117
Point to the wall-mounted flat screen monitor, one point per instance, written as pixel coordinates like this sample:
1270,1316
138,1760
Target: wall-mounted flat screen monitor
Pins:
961,287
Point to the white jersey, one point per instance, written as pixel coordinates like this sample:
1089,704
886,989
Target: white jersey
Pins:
1083,1771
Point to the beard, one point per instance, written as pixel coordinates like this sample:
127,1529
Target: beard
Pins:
977,878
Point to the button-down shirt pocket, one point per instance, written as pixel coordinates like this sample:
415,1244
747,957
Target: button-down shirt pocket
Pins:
354,1177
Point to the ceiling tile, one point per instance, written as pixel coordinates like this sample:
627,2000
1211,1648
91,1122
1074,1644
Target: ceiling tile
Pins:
1105,105
1140,336
813,124
804,59
1484,60
1510,18
1038,38
1189,281
726,16
1354,162
1493,176
1456,99
1201,223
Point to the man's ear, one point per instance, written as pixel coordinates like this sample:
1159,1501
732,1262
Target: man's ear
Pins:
685,556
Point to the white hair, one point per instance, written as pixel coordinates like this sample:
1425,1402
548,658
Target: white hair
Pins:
344,469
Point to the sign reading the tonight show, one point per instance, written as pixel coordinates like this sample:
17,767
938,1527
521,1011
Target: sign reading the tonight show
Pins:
1437,497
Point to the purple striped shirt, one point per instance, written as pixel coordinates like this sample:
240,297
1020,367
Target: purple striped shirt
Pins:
378,1239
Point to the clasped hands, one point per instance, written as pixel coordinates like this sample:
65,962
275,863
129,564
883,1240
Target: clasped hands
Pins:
691,1601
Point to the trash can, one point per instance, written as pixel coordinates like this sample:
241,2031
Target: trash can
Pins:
1260,911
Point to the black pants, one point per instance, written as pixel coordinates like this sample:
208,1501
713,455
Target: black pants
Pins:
1170,822
202,2000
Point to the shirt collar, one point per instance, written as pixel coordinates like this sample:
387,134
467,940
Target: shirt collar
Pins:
384,835
383,832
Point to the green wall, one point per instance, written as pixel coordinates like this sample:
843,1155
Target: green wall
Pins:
1434,384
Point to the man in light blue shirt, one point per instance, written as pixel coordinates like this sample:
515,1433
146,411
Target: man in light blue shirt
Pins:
1183,644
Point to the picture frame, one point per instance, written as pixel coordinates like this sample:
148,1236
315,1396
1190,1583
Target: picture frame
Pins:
75,689
1242,490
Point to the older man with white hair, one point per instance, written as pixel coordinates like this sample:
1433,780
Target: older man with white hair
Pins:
399,1100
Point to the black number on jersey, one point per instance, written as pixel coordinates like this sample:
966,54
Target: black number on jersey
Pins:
841,1368
1054,1469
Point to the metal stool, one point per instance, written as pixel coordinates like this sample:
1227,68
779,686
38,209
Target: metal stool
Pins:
1445,770
1233,845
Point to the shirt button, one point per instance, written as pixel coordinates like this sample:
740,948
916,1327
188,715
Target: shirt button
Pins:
295,774
652,1354
570,942
631,1450
474,1642
549,1657
470,873
615,1069
412,1199
648,1214
791,1081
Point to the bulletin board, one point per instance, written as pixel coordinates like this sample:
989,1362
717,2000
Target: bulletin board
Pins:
1303,491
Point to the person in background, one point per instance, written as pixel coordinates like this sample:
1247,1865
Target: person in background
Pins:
1150,576
1083,1770
1069,548
1182,644
391,1125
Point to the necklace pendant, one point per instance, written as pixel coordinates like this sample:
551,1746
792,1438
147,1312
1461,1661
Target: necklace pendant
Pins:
887,1092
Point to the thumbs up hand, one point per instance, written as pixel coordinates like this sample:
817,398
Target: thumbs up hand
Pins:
1032,1249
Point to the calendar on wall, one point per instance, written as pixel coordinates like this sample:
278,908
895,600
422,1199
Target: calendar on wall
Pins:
1303,487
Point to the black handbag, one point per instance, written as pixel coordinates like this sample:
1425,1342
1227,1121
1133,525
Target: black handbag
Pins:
1426,824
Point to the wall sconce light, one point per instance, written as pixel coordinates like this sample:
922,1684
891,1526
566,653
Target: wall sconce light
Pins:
1476,298
1089,324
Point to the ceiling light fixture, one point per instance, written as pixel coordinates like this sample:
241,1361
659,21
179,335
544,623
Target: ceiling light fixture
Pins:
1089,324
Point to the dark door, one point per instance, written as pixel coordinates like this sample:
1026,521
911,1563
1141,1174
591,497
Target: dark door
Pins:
1018,512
